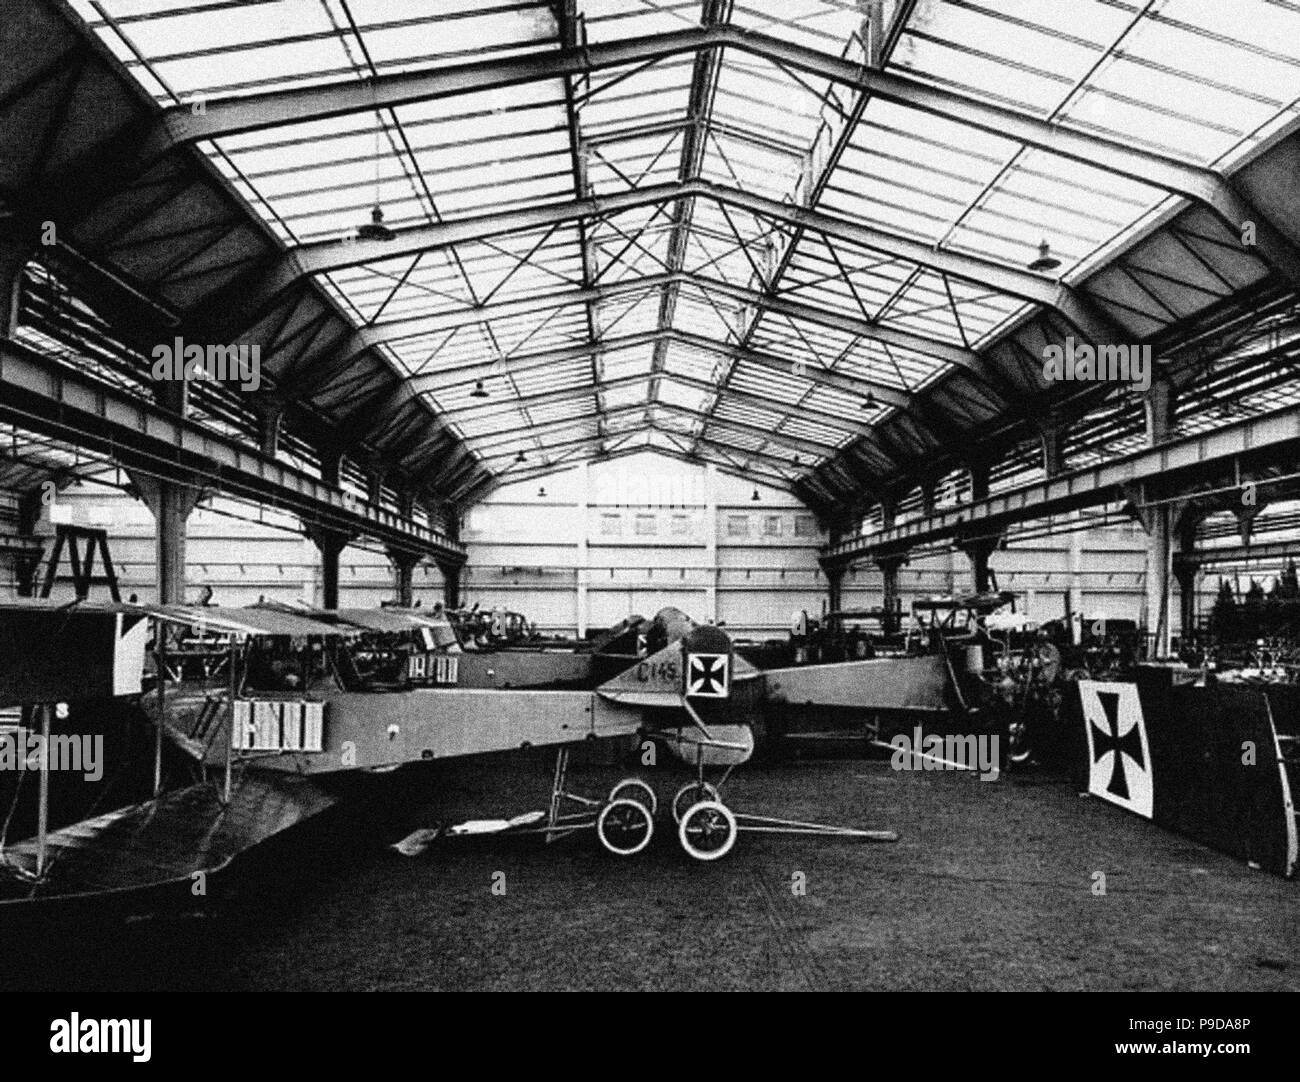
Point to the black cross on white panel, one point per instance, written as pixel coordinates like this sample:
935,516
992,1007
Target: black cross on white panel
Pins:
707,676
1119,761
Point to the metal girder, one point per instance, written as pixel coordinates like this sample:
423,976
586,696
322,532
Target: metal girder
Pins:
253,112
796,443
475,413
739,397
229,116
492,456
850,384
323,256
40,395
717,458
483,446
507,478
820,449
1242,554
1171,465
738,452
699,111
182,123
396,330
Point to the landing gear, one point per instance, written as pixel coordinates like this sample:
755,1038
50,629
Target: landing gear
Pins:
708,830
690,794
624,821
635,789
625,827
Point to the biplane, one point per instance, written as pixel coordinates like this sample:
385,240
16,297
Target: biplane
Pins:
274,706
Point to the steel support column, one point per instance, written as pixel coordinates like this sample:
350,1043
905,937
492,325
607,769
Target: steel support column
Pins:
889,566
330,544
404,565
170,504
450,583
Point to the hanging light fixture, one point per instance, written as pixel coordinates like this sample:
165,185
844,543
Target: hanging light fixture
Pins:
541,492
479,390
1045,261
375,228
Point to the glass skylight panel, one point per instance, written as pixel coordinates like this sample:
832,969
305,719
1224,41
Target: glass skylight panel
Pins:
890,365
620,316
767,383
683,396
630,361
697,364
631,245
608,20
757,96
624,395
827,25
771,171
695,315
616,164
398,34
233,49
639,97
834,436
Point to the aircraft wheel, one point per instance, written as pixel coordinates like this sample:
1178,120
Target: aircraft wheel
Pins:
1019,750
708,830
624,827
691,794
635,789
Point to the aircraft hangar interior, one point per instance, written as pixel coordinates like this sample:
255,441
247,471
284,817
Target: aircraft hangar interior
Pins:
482,484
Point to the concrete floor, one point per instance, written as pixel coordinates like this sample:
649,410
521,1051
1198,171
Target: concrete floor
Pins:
991,887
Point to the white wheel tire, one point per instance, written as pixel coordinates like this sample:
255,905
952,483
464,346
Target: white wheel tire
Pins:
711,808
641,792
631,807
692,788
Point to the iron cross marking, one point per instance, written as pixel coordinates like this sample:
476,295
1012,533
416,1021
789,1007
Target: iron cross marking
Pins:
1129,744
708,674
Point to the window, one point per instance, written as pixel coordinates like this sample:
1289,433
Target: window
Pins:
737,525
771,525
611,525
681,525
805,526
646,526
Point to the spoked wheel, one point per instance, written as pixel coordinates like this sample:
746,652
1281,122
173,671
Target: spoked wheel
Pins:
692,793
624,827
708,830
635,789
1019,750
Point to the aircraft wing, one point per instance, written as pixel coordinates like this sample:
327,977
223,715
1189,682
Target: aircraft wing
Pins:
894,683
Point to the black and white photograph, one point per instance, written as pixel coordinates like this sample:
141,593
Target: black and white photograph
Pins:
654,496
